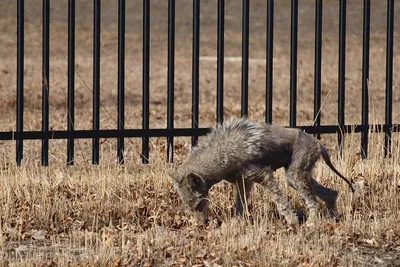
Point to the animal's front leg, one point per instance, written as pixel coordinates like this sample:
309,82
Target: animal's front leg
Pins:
243,190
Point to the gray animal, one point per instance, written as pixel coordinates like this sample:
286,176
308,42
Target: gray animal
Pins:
244,152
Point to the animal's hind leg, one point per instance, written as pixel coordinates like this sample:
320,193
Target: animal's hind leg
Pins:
243,189
302,183
329,196
282,204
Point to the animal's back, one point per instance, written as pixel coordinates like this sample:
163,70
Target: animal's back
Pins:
234,135
235,143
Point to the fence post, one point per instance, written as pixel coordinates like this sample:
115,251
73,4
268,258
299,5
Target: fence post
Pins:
121,79
269,60
171,79
71,80
195,68
245,58
20,80
96,78
317,64
341,73
365,78
220,60
293,63
389,77
146,79
45,80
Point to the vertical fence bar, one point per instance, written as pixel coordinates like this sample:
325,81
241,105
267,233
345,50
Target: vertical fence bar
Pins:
269,60
365,78
146,79
245,57
45,79
71,80
20,79
389,76
96,79
121,79
195,68
341,72
293,63
317,64
171,79
220,60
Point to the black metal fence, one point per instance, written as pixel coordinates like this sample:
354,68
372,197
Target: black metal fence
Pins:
145,133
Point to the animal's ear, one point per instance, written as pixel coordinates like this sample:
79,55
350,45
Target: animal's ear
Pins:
195,181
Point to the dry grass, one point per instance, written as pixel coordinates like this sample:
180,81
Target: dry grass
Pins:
111,215
130,215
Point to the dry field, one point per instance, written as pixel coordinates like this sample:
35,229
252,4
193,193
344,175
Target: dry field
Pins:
111,215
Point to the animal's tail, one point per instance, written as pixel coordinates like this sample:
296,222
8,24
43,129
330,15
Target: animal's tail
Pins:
327,159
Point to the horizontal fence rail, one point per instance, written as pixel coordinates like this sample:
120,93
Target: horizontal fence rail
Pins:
145,132
52,134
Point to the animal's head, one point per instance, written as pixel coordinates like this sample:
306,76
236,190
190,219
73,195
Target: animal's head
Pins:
192,189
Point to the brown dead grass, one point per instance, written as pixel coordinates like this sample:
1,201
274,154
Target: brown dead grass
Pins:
131,215
111,215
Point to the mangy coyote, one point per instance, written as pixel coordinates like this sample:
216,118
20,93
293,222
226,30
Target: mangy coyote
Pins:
243,153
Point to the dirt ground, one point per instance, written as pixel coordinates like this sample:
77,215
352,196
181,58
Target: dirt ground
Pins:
183,84
158,69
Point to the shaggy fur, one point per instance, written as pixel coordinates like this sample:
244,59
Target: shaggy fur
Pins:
244,152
